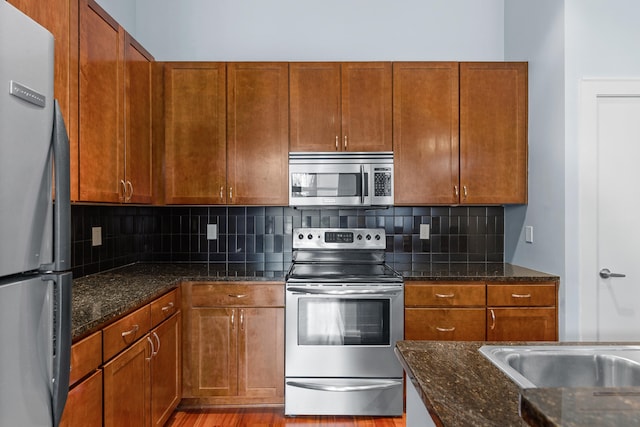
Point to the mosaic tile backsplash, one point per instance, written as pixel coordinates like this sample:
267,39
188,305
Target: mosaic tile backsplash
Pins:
257,240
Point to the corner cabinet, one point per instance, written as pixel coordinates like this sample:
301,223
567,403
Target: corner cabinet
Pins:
340,106
233,343
114,147
479,311
460,133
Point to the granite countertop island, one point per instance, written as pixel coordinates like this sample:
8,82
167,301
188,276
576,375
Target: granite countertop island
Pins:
459,386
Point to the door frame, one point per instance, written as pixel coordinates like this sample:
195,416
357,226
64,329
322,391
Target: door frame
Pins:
590,92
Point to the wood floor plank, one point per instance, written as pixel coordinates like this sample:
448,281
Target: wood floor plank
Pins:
270,417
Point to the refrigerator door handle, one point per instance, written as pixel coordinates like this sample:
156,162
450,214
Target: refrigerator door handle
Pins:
62,205
62,343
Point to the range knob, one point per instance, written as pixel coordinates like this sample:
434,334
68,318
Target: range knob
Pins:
368,236
359,237
310,236
300,236
377,237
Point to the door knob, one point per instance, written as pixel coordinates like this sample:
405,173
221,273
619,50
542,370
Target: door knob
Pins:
605,273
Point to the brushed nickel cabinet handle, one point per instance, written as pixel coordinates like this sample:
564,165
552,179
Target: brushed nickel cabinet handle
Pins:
131,331
493,320
464,191
337,142
230,193
345,142
237,295
242,320
153,350
457,192
233,319
124,190
451,329
158,341
167,307
130,185
445,295
221,193
520,295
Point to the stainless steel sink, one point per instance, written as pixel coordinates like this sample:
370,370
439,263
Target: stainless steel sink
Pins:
567,365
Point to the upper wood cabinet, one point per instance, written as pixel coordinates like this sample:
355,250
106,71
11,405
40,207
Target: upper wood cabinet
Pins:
340,106
257,133
425,119
195,133
60,17
114,111
493,132
460,133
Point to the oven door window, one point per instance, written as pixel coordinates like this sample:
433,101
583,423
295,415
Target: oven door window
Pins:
336,321
327,184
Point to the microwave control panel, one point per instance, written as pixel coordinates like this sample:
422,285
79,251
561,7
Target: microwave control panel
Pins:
382,181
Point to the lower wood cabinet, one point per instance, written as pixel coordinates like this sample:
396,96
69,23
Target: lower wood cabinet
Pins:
233,343
140,381
478,311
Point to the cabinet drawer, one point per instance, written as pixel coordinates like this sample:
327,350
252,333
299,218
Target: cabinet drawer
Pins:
125,332
455,324
525,295
164,307
446,294
255,295
86,356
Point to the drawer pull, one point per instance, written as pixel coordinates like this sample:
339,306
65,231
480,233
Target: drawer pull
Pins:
167,307
131,331
445,295
493,319
451,329
520,295
237,295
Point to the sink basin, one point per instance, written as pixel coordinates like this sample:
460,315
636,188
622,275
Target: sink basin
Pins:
567,365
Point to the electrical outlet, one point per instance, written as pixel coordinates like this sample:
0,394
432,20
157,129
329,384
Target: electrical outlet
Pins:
424,231
212,231
528,234
96,236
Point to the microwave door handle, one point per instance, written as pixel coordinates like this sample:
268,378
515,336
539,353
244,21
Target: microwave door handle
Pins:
362,184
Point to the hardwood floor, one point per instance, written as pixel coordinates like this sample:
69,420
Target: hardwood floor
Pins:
272,417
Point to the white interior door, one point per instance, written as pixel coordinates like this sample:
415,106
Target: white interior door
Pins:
610,203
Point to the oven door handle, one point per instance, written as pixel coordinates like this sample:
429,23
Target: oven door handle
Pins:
327,387
382,291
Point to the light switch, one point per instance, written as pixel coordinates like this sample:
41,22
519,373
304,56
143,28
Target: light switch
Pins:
212,231
424,231
528,234
96,236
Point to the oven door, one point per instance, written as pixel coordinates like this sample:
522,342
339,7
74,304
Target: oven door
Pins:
343,330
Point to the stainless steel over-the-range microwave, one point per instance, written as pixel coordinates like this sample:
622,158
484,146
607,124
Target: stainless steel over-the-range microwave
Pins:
341,179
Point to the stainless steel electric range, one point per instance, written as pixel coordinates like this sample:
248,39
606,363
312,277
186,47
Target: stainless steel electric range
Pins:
344,313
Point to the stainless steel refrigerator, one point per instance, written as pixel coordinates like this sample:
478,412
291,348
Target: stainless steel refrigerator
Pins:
35,277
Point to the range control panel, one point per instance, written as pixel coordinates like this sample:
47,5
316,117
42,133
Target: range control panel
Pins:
339,238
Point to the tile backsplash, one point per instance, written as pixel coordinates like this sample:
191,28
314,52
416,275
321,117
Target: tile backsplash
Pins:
257,240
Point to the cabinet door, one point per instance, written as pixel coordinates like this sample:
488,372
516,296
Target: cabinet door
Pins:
60,17
366,106
84,403
213,337
258,133
522,324
449,324
425,133
166,363
195,133
261,355
138,138
126,387
101,143
314,103
493,133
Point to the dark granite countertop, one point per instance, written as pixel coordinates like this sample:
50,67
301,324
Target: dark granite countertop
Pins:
459,386
581,407
496,272
101,298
